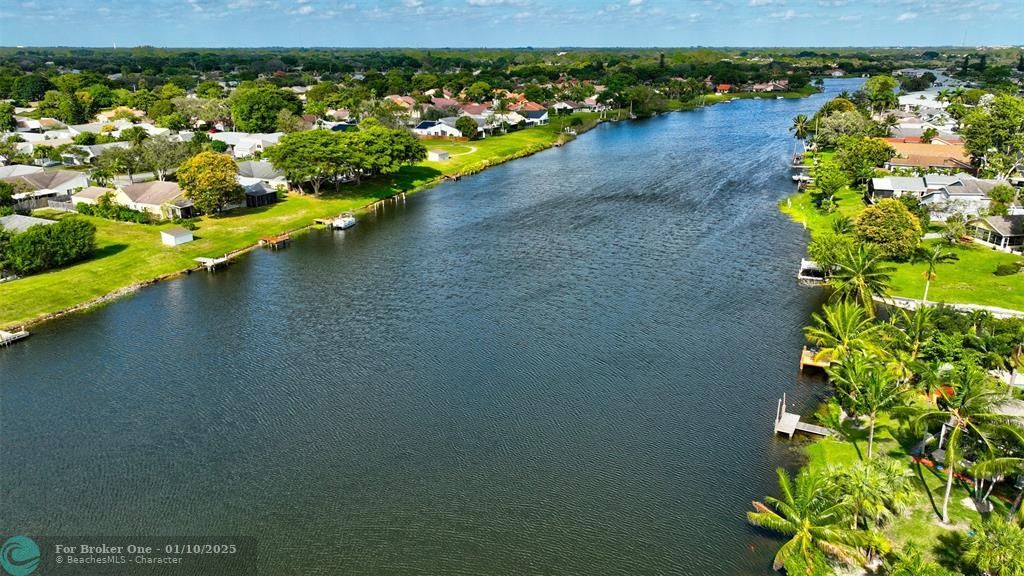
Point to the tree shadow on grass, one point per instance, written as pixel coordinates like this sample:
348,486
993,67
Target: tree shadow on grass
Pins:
919,470
949,549
108,251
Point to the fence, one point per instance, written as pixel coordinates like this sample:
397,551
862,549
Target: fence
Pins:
62,206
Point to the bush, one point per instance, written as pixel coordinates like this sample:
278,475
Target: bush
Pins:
1007,269
46,246
186,223
106,208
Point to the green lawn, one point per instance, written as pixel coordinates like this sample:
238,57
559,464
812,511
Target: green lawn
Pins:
129,254
971,280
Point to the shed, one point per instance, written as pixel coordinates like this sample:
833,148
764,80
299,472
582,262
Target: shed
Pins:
175,236
437,155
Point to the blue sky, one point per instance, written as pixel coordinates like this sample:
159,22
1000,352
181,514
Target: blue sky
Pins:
500,23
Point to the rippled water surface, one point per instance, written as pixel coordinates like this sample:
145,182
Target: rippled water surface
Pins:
567,364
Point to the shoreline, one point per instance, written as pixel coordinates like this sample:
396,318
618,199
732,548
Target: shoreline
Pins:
560,139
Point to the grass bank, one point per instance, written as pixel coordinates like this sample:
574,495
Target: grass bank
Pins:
971,280
131,255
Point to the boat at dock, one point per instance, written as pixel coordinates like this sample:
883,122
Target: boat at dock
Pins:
801,178
343,222
11,337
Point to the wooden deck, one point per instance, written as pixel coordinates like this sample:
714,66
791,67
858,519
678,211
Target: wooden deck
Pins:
275,242
788,423
212,264
7,338
807,358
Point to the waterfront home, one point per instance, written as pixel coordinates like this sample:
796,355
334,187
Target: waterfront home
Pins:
161,199
565,107
36,189
723,88
942,194
927,100
536,117
91,195
175,236
16,223
936,156
1003,232
437,129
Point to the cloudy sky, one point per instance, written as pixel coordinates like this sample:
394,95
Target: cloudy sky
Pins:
500,23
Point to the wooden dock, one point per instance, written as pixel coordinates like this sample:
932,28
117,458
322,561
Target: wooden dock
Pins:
212,264
788,423
808,357
275,242
7,338
810,274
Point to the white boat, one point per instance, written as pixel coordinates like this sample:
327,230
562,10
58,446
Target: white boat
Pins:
778,98
801,178
343,222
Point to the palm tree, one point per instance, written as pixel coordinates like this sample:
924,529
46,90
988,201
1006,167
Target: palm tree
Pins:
969,417
801,126
914,328
807,512
841,329
874,491
996,548
860,277
869,387
993,468
932,258
911,563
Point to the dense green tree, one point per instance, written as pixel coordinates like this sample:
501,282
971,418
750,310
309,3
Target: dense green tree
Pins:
210,180
1002,195
827,249
255,109
994,134
7,122
209,89
314,156
162,155
467,126
911,563
881,92
43,247
860,157
890,227
30,87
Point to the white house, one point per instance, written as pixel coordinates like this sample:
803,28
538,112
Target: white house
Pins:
536,117
161,199
33,190
175,236
436,128
90,195
244,144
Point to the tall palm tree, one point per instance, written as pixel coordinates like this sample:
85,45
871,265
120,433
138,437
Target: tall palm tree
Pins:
801,126
869,387
859,277
969,413
914,328
842,328
808,512
932,257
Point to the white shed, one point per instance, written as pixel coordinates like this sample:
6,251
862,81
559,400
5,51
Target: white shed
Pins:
437,155
176,235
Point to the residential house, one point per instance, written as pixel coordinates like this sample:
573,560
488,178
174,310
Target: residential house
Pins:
161,199
91,195
257,192
244,144
942,194
723,88
17,170
938,155
443,103
536,117
16,223
263,171
408,104
1003,232
36,189
437,129
927,100
565,107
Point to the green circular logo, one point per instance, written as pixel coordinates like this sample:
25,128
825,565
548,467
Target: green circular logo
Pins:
19,556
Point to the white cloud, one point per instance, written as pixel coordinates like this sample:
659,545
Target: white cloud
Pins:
764,2
635,2
303,9
412,3
786,15
849,17
906,16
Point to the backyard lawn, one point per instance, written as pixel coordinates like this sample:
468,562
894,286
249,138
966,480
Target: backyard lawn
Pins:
130,254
